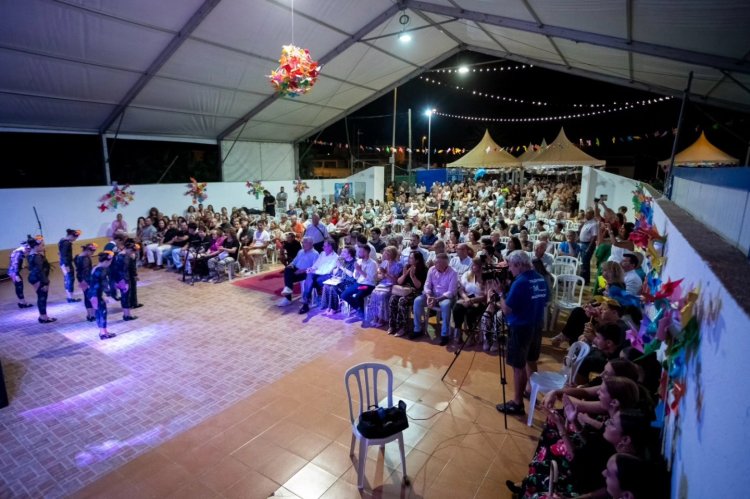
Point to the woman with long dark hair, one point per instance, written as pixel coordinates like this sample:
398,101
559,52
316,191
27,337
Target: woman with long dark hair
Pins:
412,279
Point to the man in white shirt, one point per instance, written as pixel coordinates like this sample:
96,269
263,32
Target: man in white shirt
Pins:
462,261
633,282
297,270
540,253
587,242
365,271
413,246
320,272
317,232
439,291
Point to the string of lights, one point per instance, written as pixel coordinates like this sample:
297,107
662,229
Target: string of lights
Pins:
538,102
616,108
493,69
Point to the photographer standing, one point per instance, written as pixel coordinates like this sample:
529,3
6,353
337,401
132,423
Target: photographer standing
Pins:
524,311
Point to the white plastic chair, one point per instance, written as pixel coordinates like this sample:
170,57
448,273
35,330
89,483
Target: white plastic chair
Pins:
547,381
366,375
564,297
568,260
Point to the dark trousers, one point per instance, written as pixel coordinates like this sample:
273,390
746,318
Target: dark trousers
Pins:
355,296
86,300
313,281
573,328
101,313
587,251
469,314
318,247
68,280
291,276
19,289
132,292
125,298
41,299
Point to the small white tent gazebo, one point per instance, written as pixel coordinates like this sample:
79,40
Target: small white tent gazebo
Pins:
560,153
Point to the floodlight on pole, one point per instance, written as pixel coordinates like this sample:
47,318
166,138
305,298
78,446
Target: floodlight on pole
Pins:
429,114
463,70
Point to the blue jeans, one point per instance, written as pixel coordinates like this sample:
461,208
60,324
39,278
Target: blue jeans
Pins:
446,305
313,281
355,296
587,251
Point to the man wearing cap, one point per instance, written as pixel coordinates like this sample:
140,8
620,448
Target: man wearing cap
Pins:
65,247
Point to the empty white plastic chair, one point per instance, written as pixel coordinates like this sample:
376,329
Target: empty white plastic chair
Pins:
367,383
568,260
568,293
547,381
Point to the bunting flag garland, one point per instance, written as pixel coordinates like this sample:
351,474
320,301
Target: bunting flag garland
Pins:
197,190
297,72
255,188
117,197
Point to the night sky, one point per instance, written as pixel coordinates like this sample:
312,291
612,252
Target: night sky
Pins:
560,91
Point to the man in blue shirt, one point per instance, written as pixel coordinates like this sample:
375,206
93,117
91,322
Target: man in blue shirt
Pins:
297,270
524,311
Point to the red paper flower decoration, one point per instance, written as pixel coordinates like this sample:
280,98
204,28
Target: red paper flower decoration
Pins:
197,190
118,197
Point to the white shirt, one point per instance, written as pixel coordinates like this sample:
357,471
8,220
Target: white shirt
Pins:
633,283
470,287
460,266
547,261
589,231
407,251
325,263
367,274
261,238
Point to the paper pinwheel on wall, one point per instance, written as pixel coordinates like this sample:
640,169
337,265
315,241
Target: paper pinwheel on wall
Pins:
197,190
255,187
300,187
117,197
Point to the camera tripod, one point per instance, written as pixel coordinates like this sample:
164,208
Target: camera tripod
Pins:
499,329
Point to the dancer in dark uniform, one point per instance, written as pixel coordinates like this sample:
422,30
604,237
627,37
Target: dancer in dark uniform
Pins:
14,272
39,276
118,274
133,277
98,285
83,276
65,248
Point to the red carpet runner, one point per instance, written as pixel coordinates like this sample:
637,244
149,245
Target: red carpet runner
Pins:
270,282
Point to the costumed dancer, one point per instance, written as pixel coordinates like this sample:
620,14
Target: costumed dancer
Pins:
133,277
83,275
118,274
39,276
14,272
65,248
98,285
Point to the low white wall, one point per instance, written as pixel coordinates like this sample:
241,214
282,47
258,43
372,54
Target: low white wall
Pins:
374,177
710,449
76,207
723,208
618,189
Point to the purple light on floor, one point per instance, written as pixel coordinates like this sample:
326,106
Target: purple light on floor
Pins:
90,398
99,452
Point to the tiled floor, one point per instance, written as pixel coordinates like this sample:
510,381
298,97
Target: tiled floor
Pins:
215,392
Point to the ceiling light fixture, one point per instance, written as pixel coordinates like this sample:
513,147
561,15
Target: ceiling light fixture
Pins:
404,37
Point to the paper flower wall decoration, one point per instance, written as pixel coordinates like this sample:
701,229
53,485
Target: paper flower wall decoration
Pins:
118,197
297,72
197,190
255,187
300,187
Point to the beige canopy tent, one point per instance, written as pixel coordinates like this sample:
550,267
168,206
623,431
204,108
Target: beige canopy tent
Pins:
486,154
531,152
701,153
562,152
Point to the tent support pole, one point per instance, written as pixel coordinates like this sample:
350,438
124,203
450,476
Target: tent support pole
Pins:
393,137
409,167
670,175
105,156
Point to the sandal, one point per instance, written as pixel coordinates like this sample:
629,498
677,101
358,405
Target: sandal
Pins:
557,340
511,408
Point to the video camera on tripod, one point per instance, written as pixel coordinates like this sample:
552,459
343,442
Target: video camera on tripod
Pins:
497,272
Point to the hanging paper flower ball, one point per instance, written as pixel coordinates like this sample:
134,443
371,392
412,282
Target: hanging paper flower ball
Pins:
296,74
197,190
255,188
118,197
300,187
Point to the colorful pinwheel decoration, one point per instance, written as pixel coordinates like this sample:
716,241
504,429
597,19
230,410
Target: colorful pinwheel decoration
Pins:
296,74
117,197
300,186
255,187
197,190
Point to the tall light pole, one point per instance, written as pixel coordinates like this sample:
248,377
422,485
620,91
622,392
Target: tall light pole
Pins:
429,114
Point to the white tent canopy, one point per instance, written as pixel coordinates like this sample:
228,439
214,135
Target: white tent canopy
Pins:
561,152
486,154
197,68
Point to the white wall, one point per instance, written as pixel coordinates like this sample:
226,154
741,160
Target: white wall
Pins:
374,177
724,209
76,207
619,190
257,161
711,447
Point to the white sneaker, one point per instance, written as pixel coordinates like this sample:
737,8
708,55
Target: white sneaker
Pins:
286,291
284,302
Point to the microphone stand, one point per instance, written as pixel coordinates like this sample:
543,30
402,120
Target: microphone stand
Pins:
41,232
